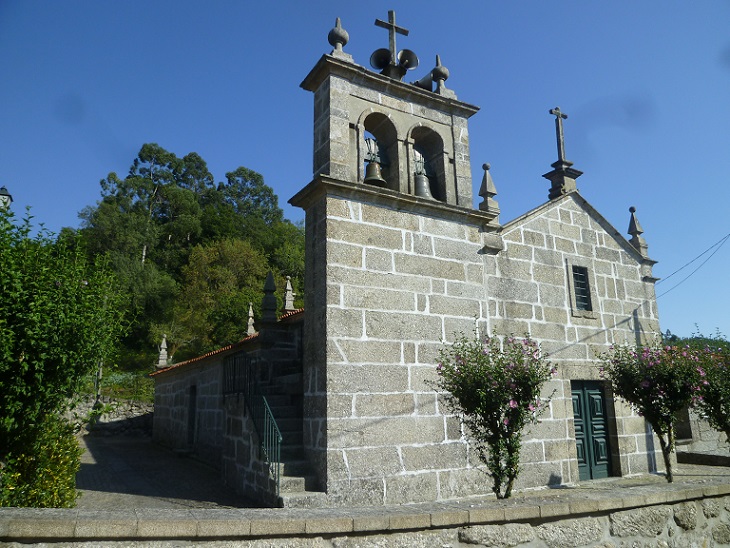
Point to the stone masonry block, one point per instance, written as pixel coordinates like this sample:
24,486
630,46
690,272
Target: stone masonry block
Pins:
450,306
379,259
427,353
423,245
515,290
345,254
411,488
444,456
384,405
426,404
422,377
463,290
463,483
548,257
379,299
539,475
511,326
457,250
343,322
370,352
517,252
334,295
522,311
429,266
444,229
340,208
372,462
402,326
546,274
367,235
351,379
645,522
475,271
389,217
385,431
350,276
454,327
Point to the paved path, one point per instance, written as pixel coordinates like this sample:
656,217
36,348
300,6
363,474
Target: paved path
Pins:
133,472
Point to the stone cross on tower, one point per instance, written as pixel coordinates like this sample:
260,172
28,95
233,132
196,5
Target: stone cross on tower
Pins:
392,30
563,175
559,117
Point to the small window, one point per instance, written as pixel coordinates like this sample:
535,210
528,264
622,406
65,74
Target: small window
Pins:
582,289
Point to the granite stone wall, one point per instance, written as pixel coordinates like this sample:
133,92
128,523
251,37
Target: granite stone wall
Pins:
530,290
173,425
389,285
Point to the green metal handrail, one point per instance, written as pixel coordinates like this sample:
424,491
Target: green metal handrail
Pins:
240,378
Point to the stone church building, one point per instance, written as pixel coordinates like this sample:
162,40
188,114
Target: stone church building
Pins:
332,405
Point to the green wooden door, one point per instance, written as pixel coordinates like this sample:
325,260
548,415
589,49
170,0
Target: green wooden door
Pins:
591,430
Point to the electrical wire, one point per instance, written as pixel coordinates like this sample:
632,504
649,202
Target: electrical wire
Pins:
716,245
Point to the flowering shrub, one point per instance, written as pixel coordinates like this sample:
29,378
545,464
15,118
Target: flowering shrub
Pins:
713,402
658,382
496,388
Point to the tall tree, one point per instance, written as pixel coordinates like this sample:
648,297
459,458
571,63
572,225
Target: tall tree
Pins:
150,222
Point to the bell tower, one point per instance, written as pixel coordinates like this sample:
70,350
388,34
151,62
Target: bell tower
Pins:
395,264
375,129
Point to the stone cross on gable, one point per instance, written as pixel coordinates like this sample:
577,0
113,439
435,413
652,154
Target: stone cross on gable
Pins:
559,117
392,30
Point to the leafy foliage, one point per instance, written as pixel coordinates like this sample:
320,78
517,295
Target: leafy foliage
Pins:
714,401
60,316
43,473
156,224
658,382
497,388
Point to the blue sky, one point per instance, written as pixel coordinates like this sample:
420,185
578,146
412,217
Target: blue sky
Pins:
646,86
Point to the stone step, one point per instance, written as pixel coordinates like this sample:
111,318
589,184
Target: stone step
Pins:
297,484
306,499
295,468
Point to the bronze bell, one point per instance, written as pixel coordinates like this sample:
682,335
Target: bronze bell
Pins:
373,176
422,186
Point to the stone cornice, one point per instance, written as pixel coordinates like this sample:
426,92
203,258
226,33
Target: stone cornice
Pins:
326,186
328,65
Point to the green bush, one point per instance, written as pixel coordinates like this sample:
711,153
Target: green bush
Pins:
60,317
658,382
43,475
496,387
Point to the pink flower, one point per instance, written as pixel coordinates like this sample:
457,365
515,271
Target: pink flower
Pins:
505,421
513,404
531,407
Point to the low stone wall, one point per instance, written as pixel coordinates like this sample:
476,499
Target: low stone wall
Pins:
117,418
677,516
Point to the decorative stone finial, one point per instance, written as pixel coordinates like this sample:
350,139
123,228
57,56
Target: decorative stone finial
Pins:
488,191
251,329
268,303
440,74
289,296
162,359
562,176
338,38
636,231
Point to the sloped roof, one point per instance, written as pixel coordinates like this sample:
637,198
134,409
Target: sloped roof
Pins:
235,346
580,200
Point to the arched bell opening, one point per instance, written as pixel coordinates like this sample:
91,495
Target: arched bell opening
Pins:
379,151
427,169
